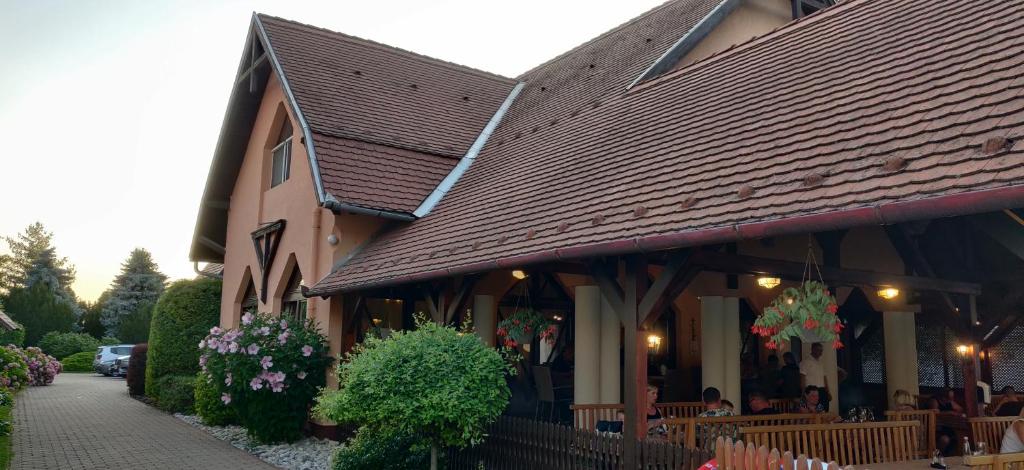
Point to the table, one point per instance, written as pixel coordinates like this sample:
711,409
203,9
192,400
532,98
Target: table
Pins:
952,463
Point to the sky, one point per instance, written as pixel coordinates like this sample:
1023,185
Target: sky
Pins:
110,110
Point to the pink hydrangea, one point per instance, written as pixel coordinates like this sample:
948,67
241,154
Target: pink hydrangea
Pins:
256,383
247,318
267,362
283,337
284,324
264,331
216,331
254,349
233,347
307,350
224,397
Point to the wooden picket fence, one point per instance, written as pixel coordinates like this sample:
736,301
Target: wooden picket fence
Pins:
515,443
731,455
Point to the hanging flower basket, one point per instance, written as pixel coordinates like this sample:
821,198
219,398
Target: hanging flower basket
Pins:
520,328
807,312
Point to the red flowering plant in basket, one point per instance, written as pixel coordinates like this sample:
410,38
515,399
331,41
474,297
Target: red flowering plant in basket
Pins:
807,312
520,328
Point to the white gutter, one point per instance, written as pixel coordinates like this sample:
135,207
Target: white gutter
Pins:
449,181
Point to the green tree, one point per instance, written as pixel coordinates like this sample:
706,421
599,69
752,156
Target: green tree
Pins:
90,322
435,382
45,270
26,248
39,311
181,319
135,327
140,282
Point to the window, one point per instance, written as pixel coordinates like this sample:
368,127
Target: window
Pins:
293,303
250,304
282,156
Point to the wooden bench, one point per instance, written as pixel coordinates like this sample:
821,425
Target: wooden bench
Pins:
784,405
685,431
586,416
737,456
846,443
995,461
926,435
990,430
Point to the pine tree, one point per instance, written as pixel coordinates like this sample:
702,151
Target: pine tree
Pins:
39,311
26,248
139,284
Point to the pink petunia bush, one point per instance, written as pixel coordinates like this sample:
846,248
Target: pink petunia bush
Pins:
42,368
268,371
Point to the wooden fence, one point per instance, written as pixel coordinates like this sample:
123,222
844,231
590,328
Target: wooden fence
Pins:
702,432
515,443
731,455
587,416
847,443
926,436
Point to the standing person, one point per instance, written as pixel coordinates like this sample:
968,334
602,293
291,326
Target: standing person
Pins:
790,376
813,372
771,379
655,421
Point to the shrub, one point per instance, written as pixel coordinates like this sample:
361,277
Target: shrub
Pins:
39,311
177,393
15,372
387,448
182,317
109,341
136,375
42,368
6,397
15,337
268,372
61,345
209,405
78,362
134,327
435,382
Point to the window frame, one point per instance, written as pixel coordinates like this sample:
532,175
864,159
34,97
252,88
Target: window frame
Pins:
284,149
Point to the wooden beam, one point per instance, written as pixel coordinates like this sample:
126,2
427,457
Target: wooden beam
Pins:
726,263
677,265
434,306
635,380
609,287
459,300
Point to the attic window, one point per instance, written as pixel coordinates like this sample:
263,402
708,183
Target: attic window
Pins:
282,155
293,303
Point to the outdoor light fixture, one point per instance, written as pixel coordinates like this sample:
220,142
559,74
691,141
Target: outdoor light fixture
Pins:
769,282
557,317
963,349
519,274
888,293
654,343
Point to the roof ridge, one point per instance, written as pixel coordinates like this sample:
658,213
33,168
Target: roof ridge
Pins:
840,7
380,45
597,38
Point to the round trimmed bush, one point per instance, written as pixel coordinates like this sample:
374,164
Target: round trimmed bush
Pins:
177,393
136,375
78,362
209,404
183,316
62,345
386,448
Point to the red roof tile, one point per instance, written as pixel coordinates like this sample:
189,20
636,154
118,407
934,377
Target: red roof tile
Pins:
837,93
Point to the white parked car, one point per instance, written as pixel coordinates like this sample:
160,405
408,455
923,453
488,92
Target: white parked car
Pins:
120,367
106,355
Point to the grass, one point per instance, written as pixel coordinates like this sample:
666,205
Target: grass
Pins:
5,441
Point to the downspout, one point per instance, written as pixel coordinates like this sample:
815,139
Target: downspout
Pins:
314,250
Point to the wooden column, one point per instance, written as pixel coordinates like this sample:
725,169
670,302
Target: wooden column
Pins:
970,362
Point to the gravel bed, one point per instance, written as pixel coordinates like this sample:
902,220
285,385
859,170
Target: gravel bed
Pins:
306,454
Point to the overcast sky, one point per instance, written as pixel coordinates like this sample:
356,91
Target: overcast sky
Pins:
109,111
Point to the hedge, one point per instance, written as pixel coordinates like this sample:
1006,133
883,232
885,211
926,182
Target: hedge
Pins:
177,393
386,448
209,405
61,345
136,375
183,316
78,362
15,337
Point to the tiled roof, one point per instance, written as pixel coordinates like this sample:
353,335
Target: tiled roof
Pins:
866,109
377,176
358,89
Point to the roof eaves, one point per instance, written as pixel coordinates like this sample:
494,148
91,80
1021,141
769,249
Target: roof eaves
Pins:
453,176
689,40
294,105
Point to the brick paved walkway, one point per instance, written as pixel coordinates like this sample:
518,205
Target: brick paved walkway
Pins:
84,421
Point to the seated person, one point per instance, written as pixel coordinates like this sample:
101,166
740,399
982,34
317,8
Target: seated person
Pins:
655,422
1009,397
1013,438
946,402
727,405
714,407
811,402
903,401
759,404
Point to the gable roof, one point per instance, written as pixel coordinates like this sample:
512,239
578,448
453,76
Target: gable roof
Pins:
869,112
386,125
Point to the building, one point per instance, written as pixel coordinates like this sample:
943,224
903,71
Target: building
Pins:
643,182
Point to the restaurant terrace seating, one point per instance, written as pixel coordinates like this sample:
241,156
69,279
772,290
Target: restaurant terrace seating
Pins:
995,461
687,430
586,416
926,436
990,430
784,405
846,443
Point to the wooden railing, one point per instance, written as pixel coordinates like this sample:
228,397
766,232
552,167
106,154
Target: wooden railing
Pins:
926,434
990,430
784,405
702,432
846,443
995,461
515,443
587,416
737,456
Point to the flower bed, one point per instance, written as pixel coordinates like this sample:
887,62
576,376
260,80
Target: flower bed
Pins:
305,454
42,368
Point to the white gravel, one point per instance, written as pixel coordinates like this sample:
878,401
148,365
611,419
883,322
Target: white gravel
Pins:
306,454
